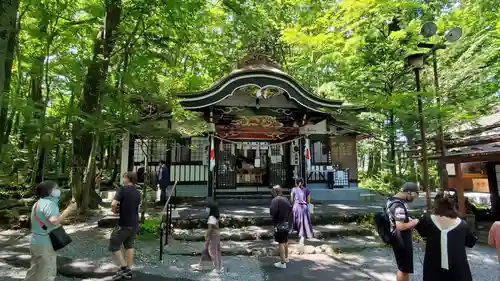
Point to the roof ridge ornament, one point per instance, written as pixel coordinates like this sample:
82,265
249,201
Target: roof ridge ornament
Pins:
258,61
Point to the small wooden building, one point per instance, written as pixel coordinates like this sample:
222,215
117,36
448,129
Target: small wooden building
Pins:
264,129
473,161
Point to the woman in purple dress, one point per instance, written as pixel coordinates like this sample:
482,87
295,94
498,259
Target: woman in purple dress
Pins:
301,219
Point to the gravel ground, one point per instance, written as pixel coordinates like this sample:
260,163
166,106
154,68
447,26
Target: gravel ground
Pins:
90,245
380,263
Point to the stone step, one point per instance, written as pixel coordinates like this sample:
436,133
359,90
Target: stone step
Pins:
266,248
267,233
253,200
482,236
252,217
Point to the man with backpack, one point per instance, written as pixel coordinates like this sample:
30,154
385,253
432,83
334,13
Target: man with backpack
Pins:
394,226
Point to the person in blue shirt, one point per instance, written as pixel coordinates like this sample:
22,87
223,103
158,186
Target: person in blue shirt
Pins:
45,212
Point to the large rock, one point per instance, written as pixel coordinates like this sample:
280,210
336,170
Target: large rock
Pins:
108,222
15,218
11,203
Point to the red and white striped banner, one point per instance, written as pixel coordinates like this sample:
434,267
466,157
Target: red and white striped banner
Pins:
307,154
212,154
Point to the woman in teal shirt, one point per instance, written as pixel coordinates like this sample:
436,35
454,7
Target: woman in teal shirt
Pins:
45,212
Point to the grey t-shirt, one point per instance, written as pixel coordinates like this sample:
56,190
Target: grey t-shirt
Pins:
281,209
398,213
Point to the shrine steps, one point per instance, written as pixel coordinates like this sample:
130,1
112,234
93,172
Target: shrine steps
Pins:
246,198
266,248
249,231
266,232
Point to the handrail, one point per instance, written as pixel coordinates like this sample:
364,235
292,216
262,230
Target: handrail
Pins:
166,219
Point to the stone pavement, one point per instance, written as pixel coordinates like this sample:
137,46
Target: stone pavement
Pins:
337,206
368,265
88,259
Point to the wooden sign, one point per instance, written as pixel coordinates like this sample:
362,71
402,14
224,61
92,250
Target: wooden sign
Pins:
480,185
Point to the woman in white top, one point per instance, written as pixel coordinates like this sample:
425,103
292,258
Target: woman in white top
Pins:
446,237
212,249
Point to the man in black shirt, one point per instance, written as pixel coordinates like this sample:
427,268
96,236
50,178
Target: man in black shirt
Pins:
401,226
128,198
281,210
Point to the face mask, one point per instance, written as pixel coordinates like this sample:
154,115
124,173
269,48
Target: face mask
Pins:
56,192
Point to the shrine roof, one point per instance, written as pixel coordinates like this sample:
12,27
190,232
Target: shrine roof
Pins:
259,71
492,148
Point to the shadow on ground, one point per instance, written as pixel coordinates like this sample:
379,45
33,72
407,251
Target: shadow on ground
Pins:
319,268
86,257
77,269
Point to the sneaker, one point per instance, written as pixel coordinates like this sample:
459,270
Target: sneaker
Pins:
287,260
274,243
123,274
218,271
280,265
301,241
197,267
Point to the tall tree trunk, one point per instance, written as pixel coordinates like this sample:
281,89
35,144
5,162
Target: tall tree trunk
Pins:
371,162
377,161
89,175
41,157
361,161
8,35
31,118
114,161
10,122
64,148
92,91
392,147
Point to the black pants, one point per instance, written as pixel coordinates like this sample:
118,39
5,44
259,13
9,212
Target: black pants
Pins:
281,237
163,195
404,257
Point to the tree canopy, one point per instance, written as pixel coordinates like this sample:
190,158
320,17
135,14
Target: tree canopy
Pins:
75,75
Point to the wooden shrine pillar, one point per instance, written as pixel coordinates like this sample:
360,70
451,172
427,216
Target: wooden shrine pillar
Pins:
460,189
493,170
125,154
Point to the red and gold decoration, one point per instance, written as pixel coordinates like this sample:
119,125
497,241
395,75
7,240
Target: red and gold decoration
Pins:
261,127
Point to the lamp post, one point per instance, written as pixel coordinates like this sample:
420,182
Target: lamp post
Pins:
429,29
416,63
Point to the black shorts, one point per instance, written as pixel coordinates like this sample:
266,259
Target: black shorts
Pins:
404,257
281,237
122,235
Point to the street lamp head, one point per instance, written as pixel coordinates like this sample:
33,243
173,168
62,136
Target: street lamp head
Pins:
429,29
415,61
453,34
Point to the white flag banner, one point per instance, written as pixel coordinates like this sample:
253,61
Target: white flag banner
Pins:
212,154
307,155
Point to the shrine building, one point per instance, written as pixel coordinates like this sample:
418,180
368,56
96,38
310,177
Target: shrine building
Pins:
264,129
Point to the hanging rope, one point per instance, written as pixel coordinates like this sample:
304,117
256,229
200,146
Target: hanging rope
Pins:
278,143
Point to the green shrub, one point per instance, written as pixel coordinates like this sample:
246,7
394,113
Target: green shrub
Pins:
382,183
148,229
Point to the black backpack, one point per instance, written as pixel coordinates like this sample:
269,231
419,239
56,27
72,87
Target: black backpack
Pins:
383,223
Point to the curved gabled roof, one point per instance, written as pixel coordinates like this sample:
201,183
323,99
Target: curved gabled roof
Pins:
260,75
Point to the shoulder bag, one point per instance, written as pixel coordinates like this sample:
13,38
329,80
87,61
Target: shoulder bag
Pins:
58,236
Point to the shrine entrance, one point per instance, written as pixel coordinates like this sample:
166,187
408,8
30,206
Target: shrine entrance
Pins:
253,164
